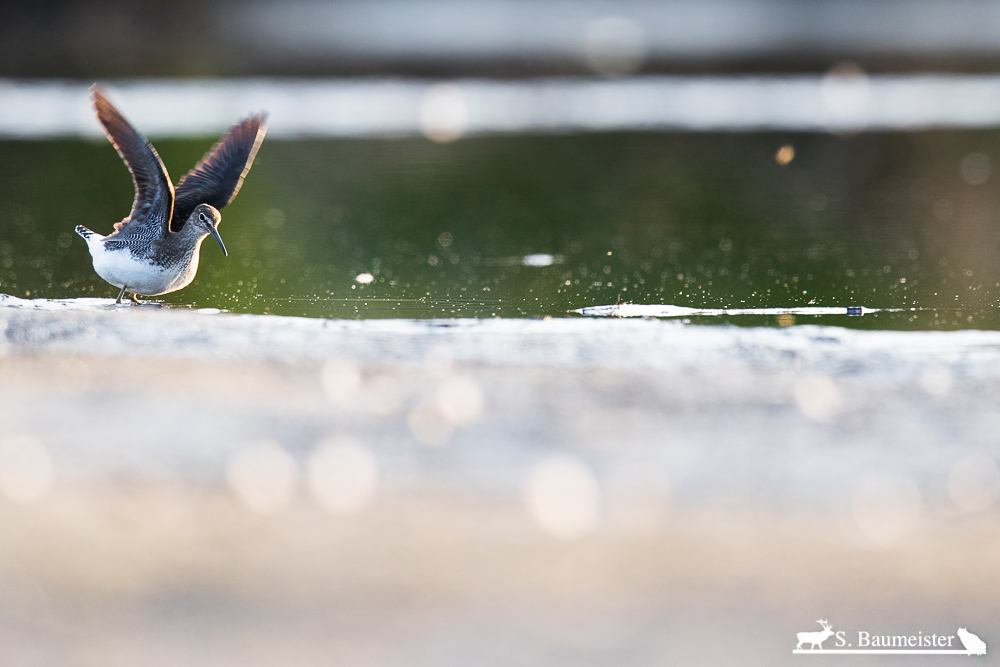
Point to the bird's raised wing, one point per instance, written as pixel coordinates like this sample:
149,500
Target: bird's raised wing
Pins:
218,177
154,194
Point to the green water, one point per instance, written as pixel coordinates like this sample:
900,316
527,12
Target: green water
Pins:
702,220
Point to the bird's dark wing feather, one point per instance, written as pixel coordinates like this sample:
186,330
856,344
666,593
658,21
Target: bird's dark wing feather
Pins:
218,177
154,194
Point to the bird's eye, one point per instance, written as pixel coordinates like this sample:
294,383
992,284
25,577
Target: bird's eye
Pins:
202,217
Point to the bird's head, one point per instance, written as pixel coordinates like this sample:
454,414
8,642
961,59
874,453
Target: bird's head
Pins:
206,218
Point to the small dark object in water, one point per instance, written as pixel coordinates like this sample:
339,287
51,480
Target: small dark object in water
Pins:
855,311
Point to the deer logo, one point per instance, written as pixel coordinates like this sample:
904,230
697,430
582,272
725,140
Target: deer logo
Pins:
816,639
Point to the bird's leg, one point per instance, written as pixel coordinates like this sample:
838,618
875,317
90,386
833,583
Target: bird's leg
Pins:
120,295
133,298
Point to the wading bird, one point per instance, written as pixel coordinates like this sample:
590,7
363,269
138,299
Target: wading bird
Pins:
155,249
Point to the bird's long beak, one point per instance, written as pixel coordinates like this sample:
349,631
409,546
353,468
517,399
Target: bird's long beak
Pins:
215,235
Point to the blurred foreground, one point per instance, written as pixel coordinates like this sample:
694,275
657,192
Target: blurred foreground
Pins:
183,487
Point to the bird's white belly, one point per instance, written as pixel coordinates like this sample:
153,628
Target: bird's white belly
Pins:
121,269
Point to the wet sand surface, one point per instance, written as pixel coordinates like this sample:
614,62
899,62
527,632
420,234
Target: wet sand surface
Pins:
564,491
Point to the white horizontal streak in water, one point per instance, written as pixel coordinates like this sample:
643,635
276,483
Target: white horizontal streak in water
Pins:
666,310
393,107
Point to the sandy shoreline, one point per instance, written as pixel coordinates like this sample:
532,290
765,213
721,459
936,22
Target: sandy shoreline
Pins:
752,477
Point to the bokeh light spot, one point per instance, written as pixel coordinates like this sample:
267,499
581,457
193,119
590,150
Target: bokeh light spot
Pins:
615,46
443,113
974,483
429,425
886,507
563,496
817,397
341,379
382,393
785,154
846,91
936,380
975,168
460,400
26,472
342,476
264,476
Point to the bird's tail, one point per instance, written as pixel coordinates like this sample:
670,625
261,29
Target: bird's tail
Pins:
84,232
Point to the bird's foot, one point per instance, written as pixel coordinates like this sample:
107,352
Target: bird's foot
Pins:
133,298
